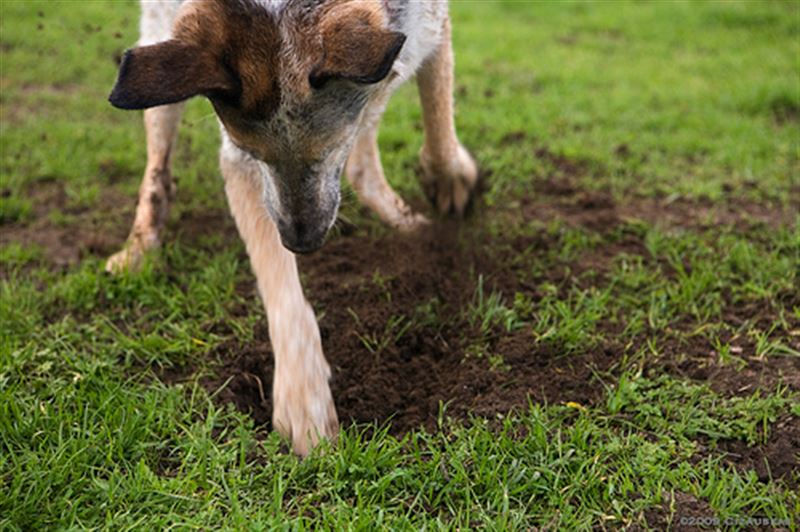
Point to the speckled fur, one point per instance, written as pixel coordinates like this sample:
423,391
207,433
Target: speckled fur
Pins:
285,143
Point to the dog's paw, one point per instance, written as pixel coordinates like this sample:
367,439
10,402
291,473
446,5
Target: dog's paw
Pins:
410,221
449,185
130,258
303,410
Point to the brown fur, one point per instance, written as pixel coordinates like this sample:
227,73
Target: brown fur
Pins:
243,41
228,51
166,73
357,47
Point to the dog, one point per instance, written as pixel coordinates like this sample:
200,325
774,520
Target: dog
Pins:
299,87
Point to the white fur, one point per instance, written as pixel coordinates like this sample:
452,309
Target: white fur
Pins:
156,22
272,5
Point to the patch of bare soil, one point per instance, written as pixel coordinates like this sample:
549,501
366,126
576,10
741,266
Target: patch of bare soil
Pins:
395,333
67,234
694,358
85,231
683,512
13,108
561,199
392,307
399,344
777,458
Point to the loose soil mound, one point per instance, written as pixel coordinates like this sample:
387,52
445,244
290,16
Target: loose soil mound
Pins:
429,277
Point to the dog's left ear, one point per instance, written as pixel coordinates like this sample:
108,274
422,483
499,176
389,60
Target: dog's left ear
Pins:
356,48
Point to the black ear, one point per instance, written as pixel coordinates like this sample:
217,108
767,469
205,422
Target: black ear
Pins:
357,51
168,72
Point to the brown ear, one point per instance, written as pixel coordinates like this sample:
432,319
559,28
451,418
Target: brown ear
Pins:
356,49
168,72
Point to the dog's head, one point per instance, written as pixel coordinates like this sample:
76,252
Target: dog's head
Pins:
289,85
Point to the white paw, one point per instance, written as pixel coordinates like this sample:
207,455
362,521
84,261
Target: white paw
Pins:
409,221
412,223
304,412
449,184
130,258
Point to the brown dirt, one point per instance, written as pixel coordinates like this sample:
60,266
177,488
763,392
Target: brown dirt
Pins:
406,380
359,284
562,199
694,358
681,512
777,458
95,231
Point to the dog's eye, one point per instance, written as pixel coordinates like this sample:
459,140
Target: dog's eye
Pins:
318,81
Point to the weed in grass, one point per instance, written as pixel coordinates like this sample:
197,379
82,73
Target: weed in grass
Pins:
726,355
766,347
396,327
570,322
487,312
686,411
14,209
17,254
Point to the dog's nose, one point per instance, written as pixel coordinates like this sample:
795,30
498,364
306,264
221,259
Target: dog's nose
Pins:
301,237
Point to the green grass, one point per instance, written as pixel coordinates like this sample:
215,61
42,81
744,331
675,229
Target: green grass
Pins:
694,102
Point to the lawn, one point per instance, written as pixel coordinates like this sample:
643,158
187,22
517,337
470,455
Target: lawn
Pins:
610,339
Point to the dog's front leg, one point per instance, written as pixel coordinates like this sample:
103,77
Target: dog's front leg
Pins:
449,172
303,408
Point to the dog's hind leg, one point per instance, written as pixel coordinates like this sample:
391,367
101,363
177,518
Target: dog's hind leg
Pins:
303,408
449,172
161,126
156,191
365,175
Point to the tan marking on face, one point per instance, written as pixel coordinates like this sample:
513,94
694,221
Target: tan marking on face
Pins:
372,12
357,41
245,39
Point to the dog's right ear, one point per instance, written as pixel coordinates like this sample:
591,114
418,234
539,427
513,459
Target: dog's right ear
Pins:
169,72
